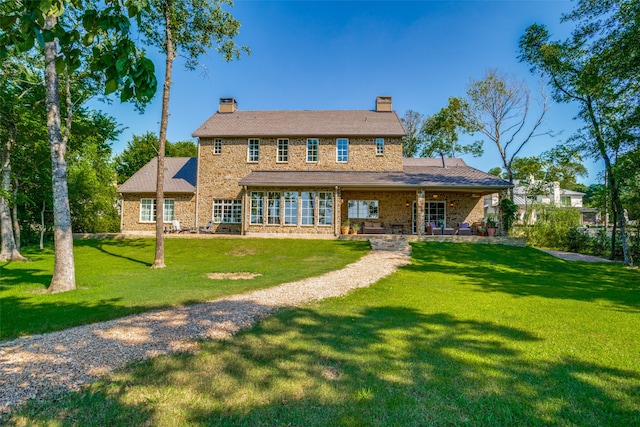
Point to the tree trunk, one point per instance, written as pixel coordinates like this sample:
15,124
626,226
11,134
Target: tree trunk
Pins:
42,225
162,139
64,268
8,249
16,224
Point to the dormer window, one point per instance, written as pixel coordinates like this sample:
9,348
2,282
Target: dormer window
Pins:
342,150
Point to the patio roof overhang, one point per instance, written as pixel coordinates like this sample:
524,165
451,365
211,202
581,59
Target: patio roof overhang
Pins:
439,179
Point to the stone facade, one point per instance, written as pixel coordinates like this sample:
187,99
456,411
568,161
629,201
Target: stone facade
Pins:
184,211
398,210
219,174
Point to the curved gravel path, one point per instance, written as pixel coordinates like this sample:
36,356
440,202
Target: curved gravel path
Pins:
44,365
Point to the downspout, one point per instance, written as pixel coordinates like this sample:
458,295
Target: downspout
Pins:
195,219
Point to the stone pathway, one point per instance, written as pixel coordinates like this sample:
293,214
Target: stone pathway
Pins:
41,366
571,256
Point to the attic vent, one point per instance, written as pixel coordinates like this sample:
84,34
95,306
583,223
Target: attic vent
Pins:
227,105
383,103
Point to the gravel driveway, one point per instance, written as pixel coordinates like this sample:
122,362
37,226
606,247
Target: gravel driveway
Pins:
44,365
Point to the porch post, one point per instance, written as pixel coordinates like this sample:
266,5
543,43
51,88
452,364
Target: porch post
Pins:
245,210
420,225
337,211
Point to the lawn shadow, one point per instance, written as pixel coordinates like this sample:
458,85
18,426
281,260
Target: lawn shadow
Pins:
378,366
110,247
530,272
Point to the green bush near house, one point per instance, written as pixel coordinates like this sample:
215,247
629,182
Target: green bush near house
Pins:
114,277
476,335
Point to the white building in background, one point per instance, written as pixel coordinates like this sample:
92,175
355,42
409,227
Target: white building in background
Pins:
548,194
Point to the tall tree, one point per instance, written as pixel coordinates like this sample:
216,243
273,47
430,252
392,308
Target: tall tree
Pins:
596,68
52,27
189,28
18,85
412,143
560,164
500,107
441,132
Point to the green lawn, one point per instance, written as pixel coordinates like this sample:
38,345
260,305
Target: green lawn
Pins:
475,335
115,279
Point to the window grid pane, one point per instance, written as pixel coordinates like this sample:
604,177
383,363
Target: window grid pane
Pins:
379,146
342,150
168,211
435,212
308,204
325,208
365,209
146,210
227,211
283,150
257,208
254,150
217,146
273,208
290,208
312,150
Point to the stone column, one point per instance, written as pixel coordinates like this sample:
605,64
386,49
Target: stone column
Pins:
246,211
420,201
337,211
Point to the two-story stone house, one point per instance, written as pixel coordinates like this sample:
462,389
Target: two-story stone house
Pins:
306,172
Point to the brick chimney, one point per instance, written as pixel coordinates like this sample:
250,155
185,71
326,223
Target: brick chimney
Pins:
227,105
383,103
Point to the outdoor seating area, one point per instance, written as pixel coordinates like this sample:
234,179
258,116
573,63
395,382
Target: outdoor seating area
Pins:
369,227
175,227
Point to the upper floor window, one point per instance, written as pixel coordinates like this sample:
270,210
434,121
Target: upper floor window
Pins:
379,146
253,152
565,201
283,151
312,150
342,150
217,146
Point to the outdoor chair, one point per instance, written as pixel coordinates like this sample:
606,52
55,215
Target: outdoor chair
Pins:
433,230
448,231
177,228
464,229
207,228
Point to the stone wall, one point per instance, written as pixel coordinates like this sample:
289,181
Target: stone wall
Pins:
184,211
393,209
218,175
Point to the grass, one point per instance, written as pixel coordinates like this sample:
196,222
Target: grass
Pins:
114,277
473,335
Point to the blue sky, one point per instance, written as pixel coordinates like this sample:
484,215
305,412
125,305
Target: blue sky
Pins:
319,55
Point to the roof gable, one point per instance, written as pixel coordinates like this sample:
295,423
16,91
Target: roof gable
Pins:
179,177
302,123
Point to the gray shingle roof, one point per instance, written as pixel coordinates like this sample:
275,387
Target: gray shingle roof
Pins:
417,173
306,123
179,177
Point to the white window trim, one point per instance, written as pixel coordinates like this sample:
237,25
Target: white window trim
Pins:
217,147
278,150
302,208
360,202
338,151
251,200
154,210
249,141
317,140
329,217
380,152
232,203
